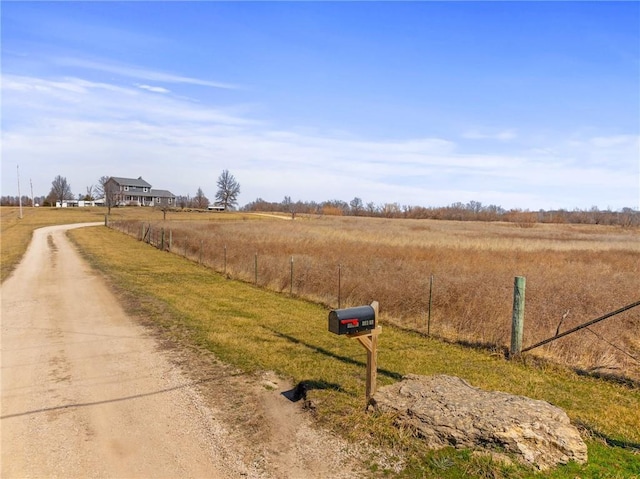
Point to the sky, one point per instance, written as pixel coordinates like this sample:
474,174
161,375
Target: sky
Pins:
523,105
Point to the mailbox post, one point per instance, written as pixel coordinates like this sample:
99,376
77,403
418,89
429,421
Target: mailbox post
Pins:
360,323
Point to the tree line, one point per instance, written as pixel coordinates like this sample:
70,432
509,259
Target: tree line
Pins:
60,191
228,189
471,211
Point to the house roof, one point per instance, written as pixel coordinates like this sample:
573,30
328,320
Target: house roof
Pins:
162,194
131,181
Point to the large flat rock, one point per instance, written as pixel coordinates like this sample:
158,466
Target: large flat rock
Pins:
448,411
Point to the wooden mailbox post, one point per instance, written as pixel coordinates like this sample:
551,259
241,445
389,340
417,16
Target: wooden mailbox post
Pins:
361,323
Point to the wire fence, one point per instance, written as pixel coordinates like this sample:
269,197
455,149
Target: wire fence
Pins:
222,259
586,325
422,308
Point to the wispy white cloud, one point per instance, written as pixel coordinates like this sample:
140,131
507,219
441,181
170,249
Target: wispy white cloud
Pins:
503,135
53,126
139,73
82,99
154,89
615,141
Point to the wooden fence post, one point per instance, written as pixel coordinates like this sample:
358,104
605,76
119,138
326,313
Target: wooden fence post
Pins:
517,318
291,280
429,313
339,284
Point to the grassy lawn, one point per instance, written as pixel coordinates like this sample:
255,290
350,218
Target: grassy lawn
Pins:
255,329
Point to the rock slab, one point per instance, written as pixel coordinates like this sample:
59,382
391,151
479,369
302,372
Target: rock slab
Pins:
448,411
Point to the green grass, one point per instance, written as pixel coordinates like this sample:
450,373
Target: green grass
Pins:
255,329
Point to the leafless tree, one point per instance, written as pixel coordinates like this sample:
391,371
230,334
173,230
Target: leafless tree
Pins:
228,190
200,200
356,206
90,192
99,189
107,190
60,190
164,209
183,201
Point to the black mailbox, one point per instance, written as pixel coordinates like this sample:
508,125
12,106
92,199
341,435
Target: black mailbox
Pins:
352,320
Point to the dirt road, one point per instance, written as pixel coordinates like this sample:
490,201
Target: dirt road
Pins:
88,392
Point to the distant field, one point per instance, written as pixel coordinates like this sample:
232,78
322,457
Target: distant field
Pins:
577,271
15,232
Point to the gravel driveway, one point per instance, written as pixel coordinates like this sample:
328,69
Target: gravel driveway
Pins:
88,392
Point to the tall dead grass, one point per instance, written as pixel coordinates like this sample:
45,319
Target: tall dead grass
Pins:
579,272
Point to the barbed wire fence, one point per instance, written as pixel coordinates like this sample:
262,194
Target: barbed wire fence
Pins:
164,240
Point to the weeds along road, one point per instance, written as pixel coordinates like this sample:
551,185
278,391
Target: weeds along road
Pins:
85,393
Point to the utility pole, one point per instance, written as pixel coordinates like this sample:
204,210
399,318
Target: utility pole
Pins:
19,197
33,203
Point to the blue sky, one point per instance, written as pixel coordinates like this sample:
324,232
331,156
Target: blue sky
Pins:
530,105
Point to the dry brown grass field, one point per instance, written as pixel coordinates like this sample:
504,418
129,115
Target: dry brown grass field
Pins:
577,271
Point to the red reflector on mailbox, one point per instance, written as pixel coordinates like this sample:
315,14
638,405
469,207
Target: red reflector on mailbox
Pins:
352,320
349,321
